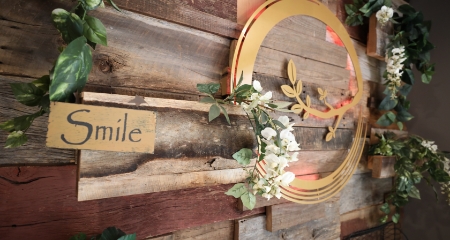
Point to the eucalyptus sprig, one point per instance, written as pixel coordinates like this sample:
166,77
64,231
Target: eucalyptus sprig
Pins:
415,157
68,76
410,32
274,138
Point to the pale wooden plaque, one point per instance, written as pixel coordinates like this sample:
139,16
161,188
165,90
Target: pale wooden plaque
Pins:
77,126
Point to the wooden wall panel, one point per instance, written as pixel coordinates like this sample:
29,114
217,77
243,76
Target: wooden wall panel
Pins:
34,151
362,191
326,228
41,203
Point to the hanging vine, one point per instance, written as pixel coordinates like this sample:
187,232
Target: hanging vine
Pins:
68,76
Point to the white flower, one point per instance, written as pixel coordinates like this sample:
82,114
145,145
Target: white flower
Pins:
384,14
293,146
266,97
294,157
286,134
430,145
268,133
272,148
287,178
272,158
284,120
257,86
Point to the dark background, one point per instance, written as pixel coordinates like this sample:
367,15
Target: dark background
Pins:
427,219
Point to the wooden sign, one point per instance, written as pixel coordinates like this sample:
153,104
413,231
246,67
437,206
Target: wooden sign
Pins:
78,126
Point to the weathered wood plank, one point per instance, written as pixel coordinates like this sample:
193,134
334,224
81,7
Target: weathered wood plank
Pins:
377,38
220,230
286,215
245,9
370,67
361,219
325,228
177,152
359,32
162,237
34,151
303,42
362,190
273,62
154,54
383,167
373,134
52,190
220,17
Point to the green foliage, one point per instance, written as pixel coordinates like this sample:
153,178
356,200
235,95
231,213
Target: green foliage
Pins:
110,233
237,190
413,159
243,156
249,200
71,70
410,31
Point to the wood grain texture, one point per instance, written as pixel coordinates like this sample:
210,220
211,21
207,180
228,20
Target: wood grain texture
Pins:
362,190
304,36
178,162
39,200
273,62
361,219
383,167
220,230
377,38
34,152
358,33
245,9
326,227
142,52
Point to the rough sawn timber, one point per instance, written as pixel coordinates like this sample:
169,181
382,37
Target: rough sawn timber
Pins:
34,152
187,157
39,200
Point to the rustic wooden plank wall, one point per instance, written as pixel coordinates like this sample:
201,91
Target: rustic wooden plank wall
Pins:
170,46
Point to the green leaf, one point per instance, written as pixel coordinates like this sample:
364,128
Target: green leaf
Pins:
400,125
414,192
225,114
92,4
71,70
42,83
128,237
408,76
79,236
209,88
388,103
94,30
241,78
7,126
404,116
68,24
208,100
384,219
249,200
243,156
114,5
385,208
45,103
112,233
27,93
279,124
214,112
405,89
426,78
237,190
387,119
16,139
396,218
282,104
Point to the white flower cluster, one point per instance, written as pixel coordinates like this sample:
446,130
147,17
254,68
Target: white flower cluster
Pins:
276,158
445,187
430,145
394,70
384,14
257,98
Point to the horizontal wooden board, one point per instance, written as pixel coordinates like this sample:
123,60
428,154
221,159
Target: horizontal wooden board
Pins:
362,191
220,230
327,227
294,36
142,52
76,126
273,62
185,159
55,212
34,152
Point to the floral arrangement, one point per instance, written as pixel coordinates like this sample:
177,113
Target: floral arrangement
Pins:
68,76
409,47
274,137
415,156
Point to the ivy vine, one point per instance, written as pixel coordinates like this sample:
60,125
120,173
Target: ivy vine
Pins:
68,76
409,31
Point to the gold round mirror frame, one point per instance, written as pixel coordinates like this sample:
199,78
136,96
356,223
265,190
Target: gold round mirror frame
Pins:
255,30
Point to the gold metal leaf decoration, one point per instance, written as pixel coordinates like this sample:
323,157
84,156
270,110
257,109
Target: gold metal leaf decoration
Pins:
292,72
299,87
297,108
288,91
